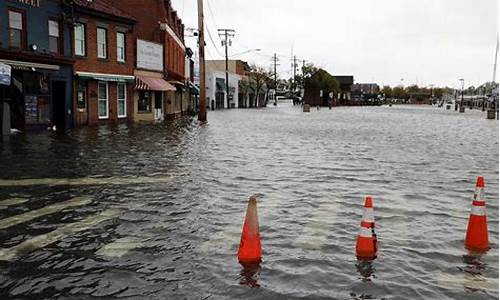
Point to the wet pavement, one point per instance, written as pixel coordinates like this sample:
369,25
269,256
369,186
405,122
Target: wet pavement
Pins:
155,211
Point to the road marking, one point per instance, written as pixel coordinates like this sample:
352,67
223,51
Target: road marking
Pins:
469,281
50,209
120,247
86,181
11,254
12,201
316,231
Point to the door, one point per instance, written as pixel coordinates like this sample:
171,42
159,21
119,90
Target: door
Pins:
58,103
158,107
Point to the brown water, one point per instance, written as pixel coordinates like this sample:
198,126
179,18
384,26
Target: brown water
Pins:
179,195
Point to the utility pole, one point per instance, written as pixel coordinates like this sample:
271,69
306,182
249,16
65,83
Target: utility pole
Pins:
202,112
294,72
495,64
226,34
275,63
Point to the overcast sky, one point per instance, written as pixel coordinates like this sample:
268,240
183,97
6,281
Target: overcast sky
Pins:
384,41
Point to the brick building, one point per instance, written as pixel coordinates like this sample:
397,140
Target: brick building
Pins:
159,24
103,47
35,44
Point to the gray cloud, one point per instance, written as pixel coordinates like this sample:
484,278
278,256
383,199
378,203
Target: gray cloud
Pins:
424,41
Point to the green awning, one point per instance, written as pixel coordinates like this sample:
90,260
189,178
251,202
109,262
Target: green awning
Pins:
105,77
220,84
194,89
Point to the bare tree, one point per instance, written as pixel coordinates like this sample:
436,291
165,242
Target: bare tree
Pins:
259,76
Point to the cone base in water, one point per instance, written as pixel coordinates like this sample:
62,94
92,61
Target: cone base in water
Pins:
366,248
476,238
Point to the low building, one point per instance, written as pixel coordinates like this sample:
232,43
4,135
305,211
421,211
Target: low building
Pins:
103,43
345,82
238,97
35,41
364,91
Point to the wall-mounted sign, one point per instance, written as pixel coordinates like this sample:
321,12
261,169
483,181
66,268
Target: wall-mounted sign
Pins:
31,2
5,71
149,55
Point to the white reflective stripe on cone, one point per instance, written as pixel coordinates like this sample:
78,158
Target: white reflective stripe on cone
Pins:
368,215
479,194
365,232
478,210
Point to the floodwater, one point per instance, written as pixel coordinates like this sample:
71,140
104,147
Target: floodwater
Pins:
155,211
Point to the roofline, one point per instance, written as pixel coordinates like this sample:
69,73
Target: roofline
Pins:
92,12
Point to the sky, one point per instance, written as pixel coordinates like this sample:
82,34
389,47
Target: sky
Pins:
388,42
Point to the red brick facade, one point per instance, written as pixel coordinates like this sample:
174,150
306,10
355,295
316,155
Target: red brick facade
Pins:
110,68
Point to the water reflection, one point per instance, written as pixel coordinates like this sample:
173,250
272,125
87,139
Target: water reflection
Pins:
473,279
366,269
249,275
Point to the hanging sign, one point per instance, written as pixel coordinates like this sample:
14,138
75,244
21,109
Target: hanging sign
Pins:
31,2
5,72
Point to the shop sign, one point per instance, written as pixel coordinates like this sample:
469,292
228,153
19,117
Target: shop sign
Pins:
149,55
35,3
5,71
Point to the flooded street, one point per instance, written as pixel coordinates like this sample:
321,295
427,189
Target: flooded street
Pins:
155,211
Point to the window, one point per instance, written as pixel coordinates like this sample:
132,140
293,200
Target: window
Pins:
103,100
54,37
120,46
16,29
122,100
102,47
144,103
79,39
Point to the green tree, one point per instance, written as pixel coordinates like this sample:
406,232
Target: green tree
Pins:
387,90
259,77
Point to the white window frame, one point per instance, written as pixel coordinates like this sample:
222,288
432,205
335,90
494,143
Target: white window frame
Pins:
78,41
104,43
101,99
121,47
124,99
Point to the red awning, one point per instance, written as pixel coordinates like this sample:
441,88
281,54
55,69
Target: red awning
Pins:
152,84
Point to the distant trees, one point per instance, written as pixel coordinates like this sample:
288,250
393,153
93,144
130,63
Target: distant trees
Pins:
259,77
387,90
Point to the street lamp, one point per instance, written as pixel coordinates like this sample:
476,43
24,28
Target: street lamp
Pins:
244,52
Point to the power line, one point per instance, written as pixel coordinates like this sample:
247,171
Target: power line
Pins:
212,14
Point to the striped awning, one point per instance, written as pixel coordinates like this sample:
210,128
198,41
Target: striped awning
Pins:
152,84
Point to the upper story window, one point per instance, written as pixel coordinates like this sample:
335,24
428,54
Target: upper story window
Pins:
17,31
102,43
120,46
79,39
54,37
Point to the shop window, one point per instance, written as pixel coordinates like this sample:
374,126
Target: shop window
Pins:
54,41
144,102
79,33
103,100
16,29
102,43
122,100
120,46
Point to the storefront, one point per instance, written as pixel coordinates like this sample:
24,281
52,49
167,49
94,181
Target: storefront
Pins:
102,98
149,97
39,95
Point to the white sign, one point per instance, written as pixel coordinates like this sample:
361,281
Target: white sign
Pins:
149,55
5,71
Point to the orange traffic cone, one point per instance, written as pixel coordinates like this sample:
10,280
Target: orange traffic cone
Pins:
366,243
250,251
476,238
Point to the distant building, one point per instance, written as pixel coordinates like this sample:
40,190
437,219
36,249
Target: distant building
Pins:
346,83
217,97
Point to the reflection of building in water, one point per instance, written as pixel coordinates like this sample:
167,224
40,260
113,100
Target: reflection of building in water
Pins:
249,275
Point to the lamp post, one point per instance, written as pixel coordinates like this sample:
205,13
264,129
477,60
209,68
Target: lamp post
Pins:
462,107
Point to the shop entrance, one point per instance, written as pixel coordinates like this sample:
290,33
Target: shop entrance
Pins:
58,103
158,106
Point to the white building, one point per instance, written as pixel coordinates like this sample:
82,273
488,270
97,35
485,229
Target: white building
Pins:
216,90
